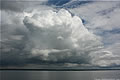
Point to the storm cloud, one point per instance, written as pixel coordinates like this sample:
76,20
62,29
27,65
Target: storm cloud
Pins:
61,37
42,36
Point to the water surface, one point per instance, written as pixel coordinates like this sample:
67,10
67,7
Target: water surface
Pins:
59,75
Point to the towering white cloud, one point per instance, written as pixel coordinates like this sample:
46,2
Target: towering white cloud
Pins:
61,37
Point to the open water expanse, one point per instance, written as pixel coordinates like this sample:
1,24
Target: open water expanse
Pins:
60,75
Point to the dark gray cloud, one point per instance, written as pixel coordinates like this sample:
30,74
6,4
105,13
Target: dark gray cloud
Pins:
12,6
12,49
19,5
13,38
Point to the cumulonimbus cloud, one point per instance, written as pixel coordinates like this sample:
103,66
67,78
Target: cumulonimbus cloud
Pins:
61,37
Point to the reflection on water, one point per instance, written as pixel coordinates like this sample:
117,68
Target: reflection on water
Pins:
59,75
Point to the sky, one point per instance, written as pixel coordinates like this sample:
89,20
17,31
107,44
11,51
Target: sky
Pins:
60,34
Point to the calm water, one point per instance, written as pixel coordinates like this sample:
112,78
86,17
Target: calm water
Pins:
59,75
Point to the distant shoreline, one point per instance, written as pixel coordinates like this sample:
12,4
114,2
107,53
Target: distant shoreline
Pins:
59,69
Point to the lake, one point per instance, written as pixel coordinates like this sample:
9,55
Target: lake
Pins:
60,75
